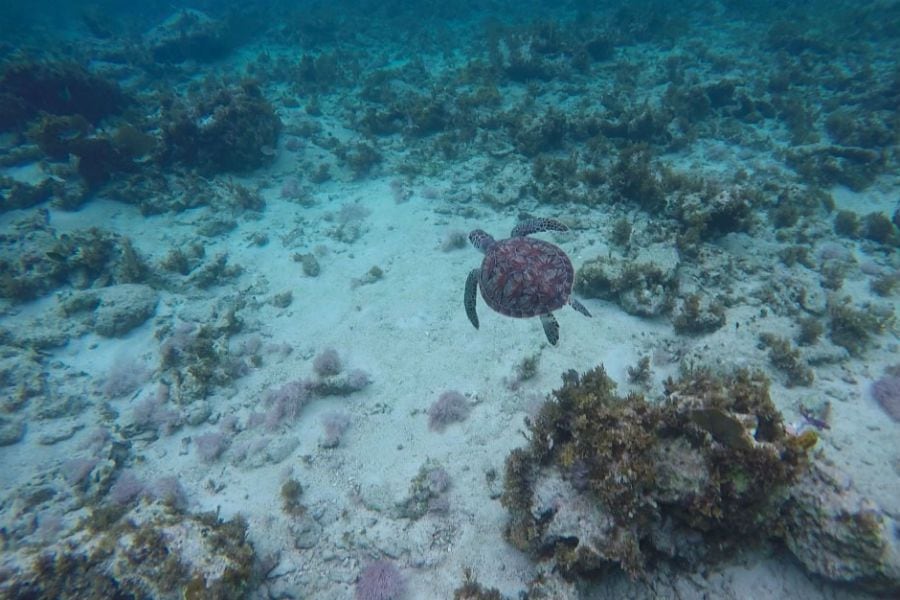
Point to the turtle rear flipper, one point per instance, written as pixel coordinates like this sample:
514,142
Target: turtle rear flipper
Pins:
469,297
535,225
551,328
579,307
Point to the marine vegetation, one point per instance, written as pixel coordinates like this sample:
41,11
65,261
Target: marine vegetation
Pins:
787,359
853,328
231,130
472,590
610,480
29,88
698,318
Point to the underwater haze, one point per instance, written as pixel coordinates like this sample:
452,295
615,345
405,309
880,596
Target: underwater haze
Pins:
472,299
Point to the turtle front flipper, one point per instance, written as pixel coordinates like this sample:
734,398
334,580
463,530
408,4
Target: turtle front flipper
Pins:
579,307
469,297
535,225
551,328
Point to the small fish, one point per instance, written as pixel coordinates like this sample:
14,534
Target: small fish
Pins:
812,419
69,134
56,256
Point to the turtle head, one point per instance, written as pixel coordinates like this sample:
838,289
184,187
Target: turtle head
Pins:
481,239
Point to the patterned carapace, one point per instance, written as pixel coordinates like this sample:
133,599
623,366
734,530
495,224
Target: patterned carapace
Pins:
523,277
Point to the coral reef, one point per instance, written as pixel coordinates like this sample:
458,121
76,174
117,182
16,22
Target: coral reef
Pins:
621,232
689,156
885,283
635,180
92,477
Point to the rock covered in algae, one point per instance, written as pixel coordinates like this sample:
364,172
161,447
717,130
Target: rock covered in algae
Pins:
152,551
609,480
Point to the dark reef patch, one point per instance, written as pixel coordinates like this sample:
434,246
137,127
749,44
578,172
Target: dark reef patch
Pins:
28,88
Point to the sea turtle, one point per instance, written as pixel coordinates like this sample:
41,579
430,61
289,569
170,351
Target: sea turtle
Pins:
522,276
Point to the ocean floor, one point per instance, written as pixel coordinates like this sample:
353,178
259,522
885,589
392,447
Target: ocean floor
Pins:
247,369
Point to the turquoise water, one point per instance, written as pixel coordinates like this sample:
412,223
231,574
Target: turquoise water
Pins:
406,300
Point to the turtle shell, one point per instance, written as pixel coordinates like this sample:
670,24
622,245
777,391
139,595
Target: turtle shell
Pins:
526,277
